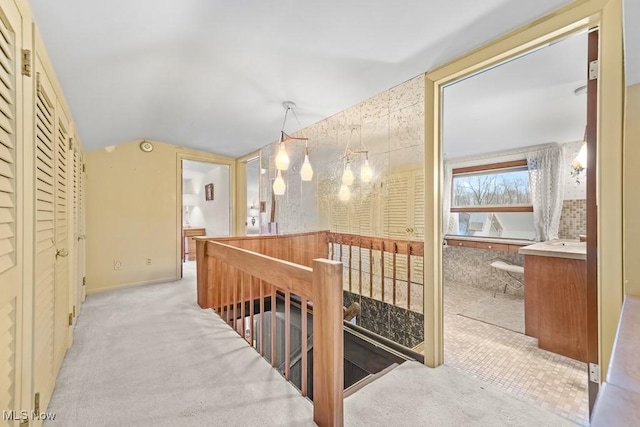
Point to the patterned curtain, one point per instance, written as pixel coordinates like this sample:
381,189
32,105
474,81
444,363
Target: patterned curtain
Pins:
546,180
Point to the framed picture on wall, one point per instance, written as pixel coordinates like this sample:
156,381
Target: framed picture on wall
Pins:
208,192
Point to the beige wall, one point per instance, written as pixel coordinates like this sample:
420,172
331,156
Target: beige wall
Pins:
631,194
133,214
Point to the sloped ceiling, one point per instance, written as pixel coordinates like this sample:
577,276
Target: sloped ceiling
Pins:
212,75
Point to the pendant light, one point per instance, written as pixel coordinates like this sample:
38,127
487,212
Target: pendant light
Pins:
365,171
347,175
306,171
279,187
282,159
344,194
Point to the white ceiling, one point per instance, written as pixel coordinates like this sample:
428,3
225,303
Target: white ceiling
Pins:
212,75
527,101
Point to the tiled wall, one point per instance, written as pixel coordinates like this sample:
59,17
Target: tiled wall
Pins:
397,324
472,266
573,220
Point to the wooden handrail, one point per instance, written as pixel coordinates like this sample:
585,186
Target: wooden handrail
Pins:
230,277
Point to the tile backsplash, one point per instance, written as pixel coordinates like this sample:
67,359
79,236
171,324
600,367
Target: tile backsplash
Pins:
573,220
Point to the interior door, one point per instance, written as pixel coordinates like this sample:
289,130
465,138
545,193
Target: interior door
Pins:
45,259
63,200
10,210
592,218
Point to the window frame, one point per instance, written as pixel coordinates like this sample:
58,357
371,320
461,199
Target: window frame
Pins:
488,168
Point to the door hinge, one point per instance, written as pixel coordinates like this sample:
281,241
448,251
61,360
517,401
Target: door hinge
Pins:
70,144
84,281
26,62
594,373
593,70
70,319
83,168
36,403
74,311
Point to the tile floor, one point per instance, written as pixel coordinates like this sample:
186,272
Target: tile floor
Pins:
511,360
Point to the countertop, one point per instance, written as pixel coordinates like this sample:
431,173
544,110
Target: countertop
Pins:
572,249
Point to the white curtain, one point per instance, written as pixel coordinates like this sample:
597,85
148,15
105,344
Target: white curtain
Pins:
447,224
546,180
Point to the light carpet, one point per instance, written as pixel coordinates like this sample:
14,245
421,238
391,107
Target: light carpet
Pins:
415,395
149,356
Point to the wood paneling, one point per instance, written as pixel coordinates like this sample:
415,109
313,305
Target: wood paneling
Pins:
492,166
556,304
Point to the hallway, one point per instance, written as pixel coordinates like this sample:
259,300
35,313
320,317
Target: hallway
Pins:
149,356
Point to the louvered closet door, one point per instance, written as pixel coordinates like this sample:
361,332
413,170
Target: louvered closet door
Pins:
63,198
46,174
10,259
397,200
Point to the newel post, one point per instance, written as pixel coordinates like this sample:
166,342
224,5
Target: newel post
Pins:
202,274
328,344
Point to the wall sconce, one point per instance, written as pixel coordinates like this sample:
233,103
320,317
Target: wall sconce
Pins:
282,157
579,164
366,173
253,213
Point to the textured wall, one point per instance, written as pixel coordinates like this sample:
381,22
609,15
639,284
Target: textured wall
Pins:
389,125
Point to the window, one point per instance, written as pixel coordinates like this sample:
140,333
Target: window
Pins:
492,201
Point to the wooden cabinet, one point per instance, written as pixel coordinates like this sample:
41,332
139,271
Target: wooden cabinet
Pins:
188,244
505,247
555,304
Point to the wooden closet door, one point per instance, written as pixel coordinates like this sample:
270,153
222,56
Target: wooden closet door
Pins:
11,260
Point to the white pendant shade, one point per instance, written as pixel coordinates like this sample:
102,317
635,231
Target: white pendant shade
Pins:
365,172
279,186
282,159
344,194
347,176
581,158
306,171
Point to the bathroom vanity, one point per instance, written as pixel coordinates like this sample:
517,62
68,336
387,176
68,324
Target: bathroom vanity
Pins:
555,296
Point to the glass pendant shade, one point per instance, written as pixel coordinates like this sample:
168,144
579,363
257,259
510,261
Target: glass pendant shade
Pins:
279,186
344,194
347,175
282,159
581,159
365,172
306,171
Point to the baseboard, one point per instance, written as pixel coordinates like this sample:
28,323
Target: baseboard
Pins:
130,285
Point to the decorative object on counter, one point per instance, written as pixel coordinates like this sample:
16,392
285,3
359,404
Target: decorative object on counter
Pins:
282,157
253,213
208,192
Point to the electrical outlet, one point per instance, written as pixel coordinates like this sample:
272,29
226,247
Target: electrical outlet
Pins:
148,261
117,264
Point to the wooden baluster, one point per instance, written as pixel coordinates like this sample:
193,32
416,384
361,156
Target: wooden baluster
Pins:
201,273
242,304
328,344
235,298
261,318
303,335
340,249
349,265
360,269
409,276
252,282
395,251
382,267
287,333
219,287
371,269
273,326
227,284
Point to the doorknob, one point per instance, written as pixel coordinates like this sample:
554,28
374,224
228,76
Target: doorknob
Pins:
62,253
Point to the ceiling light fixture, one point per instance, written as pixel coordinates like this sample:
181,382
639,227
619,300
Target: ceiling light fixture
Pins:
282,157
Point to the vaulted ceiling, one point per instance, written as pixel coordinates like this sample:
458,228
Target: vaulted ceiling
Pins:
212,75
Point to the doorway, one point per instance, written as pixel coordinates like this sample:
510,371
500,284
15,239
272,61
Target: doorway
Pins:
206,204
510,137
